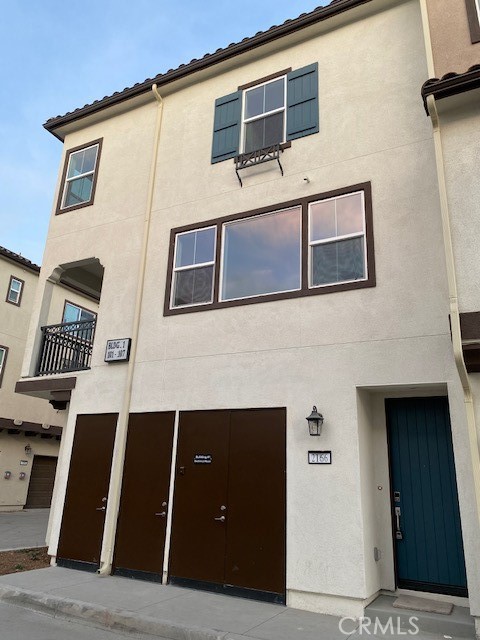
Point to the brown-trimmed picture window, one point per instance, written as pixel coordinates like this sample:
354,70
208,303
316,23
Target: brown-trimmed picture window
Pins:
473,14
15,291
315,245
3,361
79,177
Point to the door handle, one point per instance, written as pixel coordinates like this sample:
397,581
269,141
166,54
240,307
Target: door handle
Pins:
162,514
104,499
398,531
220,519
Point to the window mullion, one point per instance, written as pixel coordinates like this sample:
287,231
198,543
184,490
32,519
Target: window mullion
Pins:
264,115
348,236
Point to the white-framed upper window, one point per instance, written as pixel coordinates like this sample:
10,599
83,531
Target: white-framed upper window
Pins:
74,313
14,293
337,240
79,179
193,267
261,255
263,115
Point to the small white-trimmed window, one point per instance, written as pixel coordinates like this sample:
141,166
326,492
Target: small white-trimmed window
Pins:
15,289
263,115
337,243
193,271
79,178
3,360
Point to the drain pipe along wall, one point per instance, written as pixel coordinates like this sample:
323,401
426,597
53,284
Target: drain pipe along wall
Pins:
118,460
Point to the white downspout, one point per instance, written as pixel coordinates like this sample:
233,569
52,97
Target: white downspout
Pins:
118,460
450,265
453,298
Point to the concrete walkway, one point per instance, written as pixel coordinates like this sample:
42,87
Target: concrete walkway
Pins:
23,529
167,611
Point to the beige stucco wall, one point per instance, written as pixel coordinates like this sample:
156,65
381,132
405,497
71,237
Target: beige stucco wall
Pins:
294,353
450,34
13,492
461,143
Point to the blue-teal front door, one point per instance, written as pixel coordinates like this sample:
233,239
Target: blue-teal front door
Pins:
426,518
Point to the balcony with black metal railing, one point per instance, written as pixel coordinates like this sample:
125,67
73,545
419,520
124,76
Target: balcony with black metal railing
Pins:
66,347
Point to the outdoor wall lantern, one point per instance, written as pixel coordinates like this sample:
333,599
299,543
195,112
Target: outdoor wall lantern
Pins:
28,449
315,422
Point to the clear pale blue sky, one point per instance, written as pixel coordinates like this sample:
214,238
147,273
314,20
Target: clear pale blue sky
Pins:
56,56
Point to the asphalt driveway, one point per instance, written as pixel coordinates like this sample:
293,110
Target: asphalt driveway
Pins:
23,529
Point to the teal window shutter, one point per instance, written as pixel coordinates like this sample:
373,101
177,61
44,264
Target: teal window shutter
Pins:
226,127
302,102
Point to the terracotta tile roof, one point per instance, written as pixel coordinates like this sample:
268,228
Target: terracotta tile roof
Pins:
16,257
236,48
451,84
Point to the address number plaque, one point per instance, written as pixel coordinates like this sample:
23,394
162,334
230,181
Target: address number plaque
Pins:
319,457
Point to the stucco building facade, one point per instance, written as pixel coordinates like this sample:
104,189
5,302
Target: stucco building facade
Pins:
30,429
264,225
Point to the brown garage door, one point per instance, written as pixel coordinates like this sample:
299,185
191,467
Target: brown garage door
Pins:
42,479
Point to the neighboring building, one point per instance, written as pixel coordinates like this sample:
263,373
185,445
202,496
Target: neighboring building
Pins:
451,98
265,225
30,429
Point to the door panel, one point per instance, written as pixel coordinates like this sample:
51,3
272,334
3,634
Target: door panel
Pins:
255,555
83,516
427,528
243,469
142,520
140,541
42,479
198,540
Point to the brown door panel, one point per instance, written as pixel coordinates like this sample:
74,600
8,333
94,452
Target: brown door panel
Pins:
255,553
83,514
198,540
140,540
42,479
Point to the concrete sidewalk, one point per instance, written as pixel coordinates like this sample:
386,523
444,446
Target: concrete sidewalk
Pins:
167,611
23,529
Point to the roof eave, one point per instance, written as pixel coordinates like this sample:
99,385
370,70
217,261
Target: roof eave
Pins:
451,85
335,8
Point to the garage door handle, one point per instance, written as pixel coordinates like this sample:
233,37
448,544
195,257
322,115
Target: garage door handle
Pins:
162,514
220,519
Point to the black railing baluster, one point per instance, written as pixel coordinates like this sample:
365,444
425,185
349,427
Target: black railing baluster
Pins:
66,347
